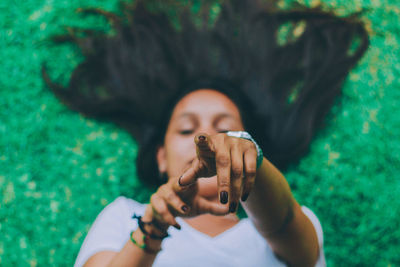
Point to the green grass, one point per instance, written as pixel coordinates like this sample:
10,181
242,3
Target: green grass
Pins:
58,169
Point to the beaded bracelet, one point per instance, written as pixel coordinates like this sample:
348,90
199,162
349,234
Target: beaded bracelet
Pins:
144,245
141,224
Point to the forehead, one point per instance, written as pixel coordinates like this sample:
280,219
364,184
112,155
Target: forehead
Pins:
206,102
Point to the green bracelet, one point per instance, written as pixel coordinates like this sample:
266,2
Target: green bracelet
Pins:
144,245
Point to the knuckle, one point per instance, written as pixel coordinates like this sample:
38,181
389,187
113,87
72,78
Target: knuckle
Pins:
223,160
235,141
153,198
251,172
221,136
170,196
162,211
161,189
249,143
224,183
237,172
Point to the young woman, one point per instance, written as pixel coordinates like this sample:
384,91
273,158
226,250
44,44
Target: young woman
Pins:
214,108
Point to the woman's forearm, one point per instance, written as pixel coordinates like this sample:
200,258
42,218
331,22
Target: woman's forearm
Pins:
279,219
270,201
132,255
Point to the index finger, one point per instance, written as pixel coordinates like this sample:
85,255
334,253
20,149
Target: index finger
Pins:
191,175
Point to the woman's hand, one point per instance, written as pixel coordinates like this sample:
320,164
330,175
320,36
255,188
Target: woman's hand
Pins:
172,199
232,159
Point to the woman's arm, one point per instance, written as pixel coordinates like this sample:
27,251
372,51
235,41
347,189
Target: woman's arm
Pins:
170,200
130,254
279,218
270,203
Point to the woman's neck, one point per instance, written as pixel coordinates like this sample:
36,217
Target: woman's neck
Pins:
212,225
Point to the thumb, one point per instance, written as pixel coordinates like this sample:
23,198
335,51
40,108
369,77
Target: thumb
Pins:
206,206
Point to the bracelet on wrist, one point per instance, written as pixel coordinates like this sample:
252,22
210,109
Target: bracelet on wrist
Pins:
144,245
142,228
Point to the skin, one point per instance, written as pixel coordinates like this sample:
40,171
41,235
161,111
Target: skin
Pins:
201,162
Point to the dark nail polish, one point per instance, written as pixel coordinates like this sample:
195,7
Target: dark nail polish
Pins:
179,180
177,226
184,208
245,196
202,138
223,197
232,207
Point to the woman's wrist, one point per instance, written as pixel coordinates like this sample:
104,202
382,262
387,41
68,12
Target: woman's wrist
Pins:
155,226
150,233
148,245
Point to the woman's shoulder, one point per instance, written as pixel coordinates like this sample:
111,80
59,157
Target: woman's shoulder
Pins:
123,203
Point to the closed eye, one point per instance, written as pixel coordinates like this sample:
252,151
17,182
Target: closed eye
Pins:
186,132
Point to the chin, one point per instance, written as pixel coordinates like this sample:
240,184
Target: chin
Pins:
208,187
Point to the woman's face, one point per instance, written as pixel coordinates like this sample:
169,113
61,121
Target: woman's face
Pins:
201,111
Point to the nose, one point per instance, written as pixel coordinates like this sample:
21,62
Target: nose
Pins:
207,128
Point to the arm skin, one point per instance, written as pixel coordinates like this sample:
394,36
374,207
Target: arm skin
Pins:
270,204
279,219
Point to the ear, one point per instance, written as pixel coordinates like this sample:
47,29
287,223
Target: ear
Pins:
161,159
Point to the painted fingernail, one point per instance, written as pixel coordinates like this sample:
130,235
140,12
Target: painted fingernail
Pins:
179,180
184,208
245,196
232,207
223,197
177,226
202,138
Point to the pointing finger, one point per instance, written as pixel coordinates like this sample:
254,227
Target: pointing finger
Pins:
204,147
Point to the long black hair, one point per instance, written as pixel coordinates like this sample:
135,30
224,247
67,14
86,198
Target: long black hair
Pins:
283,68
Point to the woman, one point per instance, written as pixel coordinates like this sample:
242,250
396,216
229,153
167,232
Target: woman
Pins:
188,95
